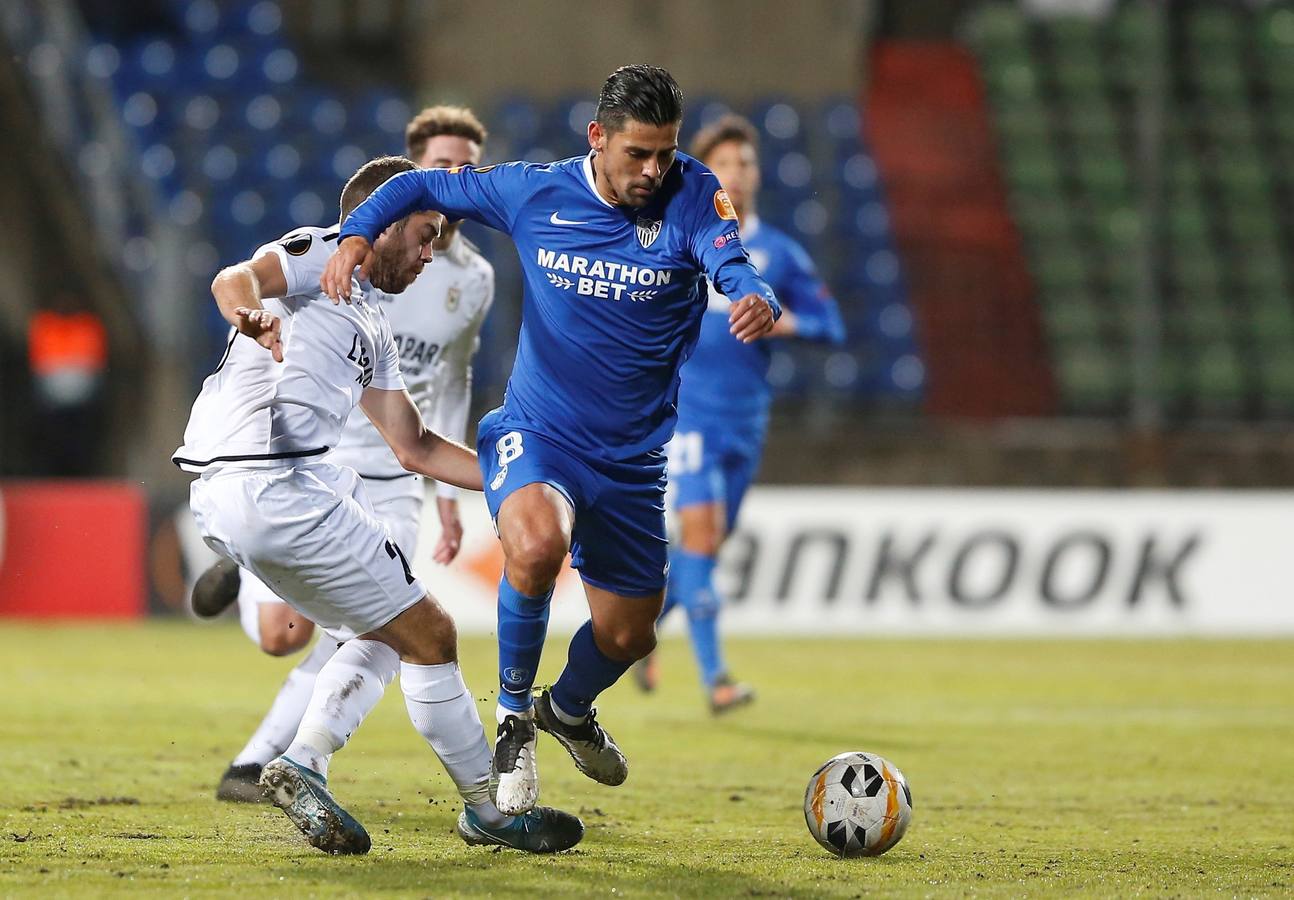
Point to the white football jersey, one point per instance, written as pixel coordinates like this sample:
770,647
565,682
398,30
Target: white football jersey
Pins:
253,411
437,325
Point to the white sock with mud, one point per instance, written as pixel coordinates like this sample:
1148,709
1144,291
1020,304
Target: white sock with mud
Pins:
280,724
346,689
442,710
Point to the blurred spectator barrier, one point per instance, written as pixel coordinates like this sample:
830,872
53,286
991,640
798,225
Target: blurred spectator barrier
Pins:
72,549
952,563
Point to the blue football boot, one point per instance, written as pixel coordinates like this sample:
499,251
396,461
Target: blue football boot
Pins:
541,830
303,794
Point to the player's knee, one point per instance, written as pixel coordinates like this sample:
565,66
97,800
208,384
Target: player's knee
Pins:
707,543
701,532
435,640
283,641
445,638
433,650
628,643
536,557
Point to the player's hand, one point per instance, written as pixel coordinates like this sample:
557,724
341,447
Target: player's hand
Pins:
336,279
750,318
451,531
262,326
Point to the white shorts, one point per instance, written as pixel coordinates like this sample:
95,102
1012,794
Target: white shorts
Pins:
309,535
397,504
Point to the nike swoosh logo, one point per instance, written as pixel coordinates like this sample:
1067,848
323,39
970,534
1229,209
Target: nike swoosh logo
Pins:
520,692
558,220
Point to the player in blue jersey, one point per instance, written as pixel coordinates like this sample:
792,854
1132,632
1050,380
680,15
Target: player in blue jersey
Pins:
723,406
615,250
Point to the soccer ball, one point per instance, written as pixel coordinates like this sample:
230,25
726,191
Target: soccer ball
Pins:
857,804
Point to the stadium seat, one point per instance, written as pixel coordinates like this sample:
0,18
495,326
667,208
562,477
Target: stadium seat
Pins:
1276,377
1212,28
1074,317
996,28
262,20
1270,322
1133,41
839,120
520,119
1219,382
779,124
1092,380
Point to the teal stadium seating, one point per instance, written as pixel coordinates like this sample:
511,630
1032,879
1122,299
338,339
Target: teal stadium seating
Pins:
1065,96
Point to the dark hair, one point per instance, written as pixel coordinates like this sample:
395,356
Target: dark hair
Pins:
369,178
646,94
727,128
434,121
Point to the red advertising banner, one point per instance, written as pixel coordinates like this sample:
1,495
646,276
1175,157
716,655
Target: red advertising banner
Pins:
72,549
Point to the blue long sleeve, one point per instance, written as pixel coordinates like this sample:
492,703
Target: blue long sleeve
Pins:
491,195
817,315
736,278
397,198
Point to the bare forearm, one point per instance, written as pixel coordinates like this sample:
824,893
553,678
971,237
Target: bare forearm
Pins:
443,460
234,288
417,447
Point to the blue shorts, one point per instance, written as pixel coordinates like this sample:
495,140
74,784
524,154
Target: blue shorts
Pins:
714,463
618,543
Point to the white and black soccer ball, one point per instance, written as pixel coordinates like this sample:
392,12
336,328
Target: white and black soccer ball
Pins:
857,804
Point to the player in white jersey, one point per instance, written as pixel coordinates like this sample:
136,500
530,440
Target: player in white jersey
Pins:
436,324
270,502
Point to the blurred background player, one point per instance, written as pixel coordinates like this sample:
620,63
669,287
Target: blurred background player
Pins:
269,500
723,406
615,246
436,323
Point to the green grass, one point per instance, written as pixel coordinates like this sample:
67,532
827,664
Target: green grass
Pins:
1103,768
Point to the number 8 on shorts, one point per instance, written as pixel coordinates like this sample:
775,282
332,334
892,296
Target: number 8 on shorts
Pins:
509,447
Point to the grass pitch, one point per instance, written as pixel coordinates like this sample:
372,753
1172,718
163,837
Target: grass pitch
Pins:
1102,768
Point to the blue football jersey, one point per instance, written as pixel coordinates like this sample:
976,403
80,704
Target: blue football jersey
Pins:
614,296
726,379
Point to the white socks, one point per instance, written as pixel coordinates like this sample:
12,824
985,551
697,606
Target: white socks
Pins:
442,710
440,707
501,712
346,689
562,715
279,726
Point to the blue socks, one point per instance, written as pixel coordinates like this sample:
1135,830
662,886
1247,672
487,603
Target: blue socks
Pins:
691,585
588,673
523,624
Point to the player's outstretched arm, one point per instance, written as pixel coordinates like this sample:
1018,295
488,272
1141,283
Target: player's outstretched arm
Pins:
809,311
239,290
489,195
418,448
